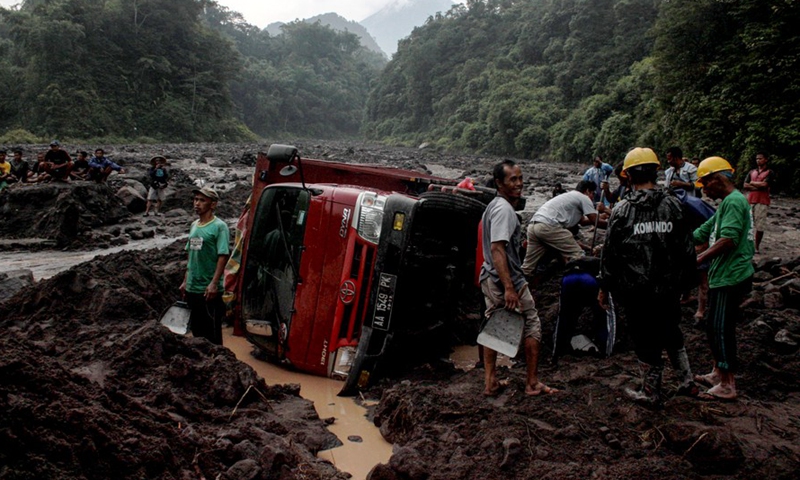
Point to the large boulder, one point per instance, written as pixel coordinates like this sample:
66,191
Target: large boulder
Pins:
13,281
133,200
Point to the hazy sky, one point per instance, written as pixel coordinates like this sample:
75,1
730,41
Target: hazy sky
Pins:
264,12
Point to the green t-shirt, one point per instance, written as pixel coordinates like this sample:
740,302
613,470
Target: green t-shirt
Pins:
206,243
734,221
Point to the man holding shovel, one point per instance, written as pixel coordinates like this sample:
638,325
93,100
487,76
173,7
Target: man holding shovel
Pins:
208,252
502,281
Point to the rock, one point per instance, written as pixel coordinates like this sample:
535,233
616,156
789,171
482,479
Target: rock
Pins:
219,164
136,234
785,341
711,450
13,281
773,300
355,438
791,292
243,470
136,185
176,213
407,462
116,241
762,276
570,431
134,202
382,472
766,263
148,233
511,448
424,145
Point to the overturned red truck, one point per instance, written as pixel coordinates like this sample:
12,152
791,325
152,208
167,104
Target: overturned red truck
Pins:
347,269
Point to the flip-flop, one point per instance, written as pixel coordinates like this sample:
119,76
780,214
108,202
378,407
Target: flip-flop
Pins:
710,397
705,380
495,391
543,390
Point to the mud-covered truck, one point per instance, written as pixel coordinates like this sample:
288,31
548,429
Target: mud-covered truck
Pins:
346,269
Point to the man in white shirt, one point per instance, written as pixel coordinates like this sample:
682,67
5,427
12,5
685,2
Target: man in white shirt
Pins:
549,227
681,175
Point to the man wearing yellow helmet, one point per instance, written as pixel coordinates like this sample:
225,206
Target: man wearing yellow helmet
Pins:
728,241
648,259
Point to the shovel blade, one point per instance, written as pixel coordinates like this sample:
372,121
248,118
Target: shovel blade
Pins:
503,332
176,318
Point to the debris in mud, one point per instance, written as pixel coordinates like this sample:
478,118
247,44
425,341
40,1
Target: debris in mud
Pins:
94,387
589,430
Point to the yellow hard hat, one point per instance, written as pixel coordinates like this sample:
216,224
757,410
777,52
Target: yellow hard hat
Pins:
639,156
712,165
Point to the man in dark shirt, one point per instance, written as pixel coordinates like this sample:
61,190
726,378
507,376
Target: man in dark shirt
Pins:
19,167
57,162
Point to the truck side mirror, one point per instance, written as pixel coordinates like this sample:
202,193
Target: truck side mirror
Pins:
281,153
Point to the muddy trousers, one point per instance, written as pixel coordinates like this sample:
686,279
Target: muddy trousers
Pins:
206,318
578,292
653,322
723,315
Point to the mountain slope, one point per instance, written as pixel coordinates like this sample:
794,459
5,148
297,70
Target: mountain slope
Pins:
339,23
398,19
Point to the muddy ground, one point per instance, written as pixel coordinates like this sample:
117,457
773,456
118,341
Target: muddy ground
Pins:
93,387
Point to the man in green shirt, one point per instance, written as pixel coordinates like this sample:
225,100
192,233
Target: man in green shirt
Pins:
208,253
728,238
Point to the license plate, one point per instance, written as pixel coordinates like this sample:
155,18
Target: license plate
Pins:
383,304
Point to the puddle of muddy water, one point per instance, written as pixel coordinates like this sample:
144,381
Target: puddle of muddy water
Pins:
356,458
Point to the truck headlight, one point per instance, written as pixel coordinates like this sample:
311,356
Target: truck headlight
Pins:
370,216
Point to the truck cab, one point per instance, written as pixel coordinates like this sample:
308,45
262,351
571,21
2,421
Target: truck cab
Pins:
345,265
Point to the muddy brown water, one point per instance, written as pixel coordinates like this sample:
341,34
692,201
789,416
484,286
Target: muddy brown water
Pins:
362,448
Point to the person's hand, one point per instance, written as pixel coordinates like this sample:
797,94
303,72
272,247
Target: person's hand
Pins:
602,299
122,170
183,289
512,299
212,291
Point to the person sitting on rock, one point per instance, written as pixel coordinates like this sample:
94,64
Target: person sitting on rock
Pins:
5,171
36,171
100,167
57,163
159,177
19,168
81,165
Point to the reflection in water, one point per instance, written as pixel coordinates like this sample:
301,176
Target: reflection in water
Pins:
357,458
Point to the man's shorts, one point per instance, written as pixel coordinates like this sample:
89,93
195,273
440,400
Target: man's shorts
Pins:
156,194
759,211
495,298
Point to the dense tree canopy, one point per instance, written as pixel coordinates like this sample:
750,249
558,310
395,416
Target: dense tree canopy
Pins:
570,79
174,70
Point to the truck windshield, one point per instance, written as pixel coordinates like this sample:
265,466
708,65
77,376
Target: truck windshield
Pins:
273,256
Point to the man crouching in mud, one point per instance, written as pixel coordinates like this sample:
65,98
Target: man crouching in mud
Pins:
502,281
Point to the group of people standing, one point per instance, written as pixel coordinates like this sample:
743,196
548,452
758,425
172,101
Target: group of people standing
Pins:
656,242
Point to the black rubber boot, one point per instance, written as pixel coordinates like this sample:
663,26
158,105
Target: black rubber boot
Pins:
649,394
680,363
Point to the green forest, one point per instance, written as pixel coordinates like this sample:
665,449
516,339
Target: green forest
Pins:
559,80
174,70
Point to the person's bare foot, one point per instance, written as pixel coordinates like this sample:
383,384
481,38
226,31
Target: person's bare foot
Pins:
540,389
719,392
710,379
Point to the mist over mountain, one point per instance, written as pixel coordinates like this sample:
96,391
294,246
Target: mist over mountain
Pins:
338,23
398,19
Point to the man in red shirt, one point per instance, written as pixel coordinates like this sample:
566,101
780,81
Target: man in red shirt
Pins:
757,185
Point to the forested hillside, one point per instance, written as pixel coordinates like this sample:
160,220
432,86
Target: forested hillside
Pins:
569,79
174,70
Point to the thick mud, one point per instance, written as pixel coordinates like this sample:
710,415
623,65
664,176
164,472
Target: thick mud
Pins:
93,387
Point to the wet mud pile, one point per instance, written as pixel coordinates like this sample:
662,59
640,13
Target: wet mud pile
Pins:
94,387
57,211
444,428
